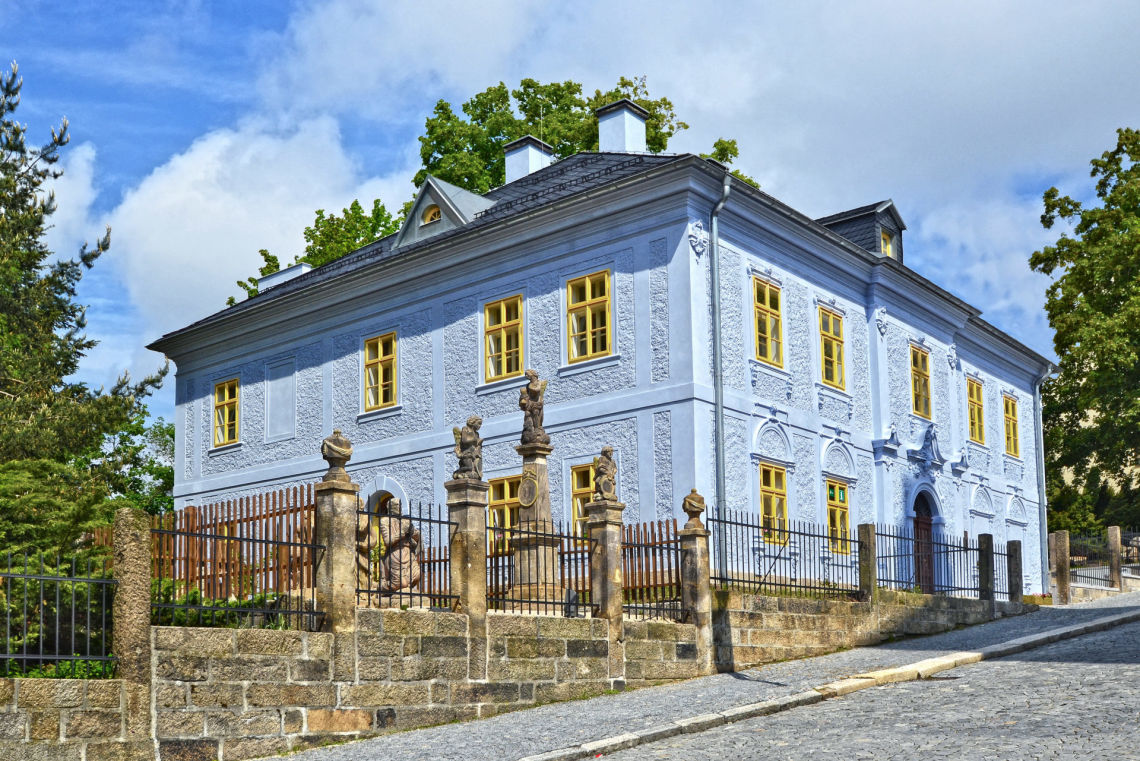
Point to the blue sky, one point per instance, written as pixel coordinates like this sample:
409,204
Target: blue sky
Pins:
204,131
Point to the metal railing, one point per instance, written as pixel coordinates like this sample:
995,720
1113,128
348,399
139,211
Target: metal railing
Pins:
930,563
651,571
783,557
1090,561
1130,552
57,616
1001,571
404,560
538,568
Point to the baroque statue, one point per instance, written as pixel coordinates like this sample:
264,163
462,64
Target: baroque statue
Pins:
605,476
336,450
469,449
531,400
395,543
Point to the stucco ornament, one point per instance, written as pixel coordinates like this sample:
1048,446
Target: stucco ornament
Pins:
337,451
928,454
531,402
605,476
952,356
698,239
396,546
693,505
469,449
881,320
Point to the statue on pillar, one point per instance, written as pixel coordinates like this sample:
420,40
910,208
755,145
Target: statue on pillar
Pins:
337,451
605,476
693,505
469,449
531,401
395,555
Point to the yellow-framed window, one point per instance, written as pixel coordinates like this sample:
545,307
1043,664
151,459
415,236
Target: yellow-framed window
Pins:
380,372
769,338
774,503
837,522
920,382
888,250
502,339
503,512
226,412
831,348
1012,440
588,332
581,492
976,410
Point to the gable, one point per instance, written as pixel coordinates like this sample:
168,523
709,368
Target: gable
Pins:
439,207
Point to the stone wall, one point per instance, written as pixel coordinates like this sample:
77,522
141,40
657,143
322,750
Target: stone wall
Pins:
64,720
752,629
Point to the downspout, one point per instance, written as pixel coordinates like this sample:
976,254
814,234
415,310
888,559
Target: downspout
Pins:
1039,439
718,378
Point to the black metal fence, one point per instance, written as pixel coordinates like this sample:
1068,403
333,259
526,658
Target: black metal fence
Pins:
1001,571
1130,552
929,562
404,559
57,616
538,568
1090,561
792,557
651,571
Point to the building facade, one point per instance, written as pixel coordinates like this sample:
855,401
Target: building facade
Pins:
851,389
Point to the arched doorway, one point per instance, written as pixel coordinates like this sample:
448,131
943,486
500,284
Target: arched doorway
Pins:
924,542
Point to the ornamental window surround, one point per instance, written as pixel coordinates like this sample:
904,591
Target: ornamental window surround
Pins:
226,412
380,372
588,333
502,339
831,348
767,306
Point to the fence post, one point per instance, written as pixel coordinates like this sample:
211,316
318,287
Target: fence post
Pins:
1062,592
467,508
334,527
130,621
986,567
1013,569
696,588
1114,555
604,523
868,578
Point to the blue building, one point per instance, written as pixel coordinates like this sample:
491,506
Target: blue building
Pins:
849,388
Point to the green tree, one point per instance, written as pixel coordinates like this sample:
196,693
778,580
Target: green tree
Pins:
1092,404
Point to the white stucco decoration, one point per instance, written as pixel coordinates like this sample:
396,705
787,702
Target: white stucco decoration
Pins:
982,502
772,443
838,462
698,238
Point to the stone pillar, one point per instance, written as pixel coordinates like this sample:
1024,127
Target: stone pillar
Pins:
130,621
1013,570
467,507
1062,592
1052,556
868,570
1115,550
986,567
604,522
334,527
537,562
696,588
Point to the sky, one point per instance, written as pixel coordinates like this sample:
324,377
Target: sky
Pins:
205,131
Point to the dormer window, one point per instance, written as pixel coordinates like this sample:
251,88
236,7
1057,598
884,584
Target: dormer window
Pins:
431,214
887,249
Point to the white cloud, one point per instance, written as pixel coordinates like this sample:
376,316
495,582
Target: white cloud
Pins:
74,194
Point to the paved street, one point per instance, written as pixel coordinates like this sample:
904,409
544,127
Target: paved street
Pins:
1075,699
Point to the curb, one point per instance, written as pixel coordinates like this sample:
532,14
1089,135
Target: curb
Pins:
910,672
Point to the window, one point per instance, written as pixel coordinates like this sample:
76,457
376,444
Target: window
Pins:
837,517
887,249
774,503
380,372
769,346
976,410
588,316
226,412
920,382
503,512
831,347
1012,444
502,339
582,491
431,214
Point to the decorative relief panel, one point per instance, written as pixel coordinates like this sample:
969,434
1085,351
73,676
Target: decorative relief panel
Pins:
663,464
806,475
659,310
866,495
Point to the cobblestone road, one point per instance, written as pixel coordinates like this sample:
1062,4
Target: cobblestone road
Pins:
1076,699
549,727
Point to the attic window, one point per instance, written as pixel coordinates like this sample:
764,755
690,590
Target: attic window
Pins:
431,214
887,249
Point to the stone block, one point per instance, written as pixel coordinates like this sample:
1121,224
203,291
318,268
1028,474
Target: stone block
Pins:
44,725
107,725
318,644
13,726
369,645
408,621
527,670
450,624
669,669
511,625
7,692
369,621
216,695
185,640
643,650
685,651
344,656
553,693
662,631
188,750
120,751
248,668
427,716
339,720
171,724
45,694
309,671
587,648
281,695
40,751
440,692
181,668
293,721
563,628
533,647
372,695
106,693
635,630
577,669
247,724
238,748
418,669
443,647
374,669
269,642
485,692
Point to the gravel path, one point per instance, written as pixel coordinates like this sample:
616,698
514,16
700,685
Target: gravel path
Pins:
549,727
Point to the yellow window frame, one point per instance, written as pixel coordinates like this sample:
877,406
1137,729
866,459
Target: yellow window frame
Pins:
581,492
589,333
838,525
767,300
502,513
1012,440
888,249
920,382
975,407
831,349
774,503
226,430
502,324
380,372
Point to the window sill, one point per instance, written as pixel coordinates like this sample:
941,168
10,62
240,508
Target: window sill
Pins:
838,393
383,412
760,364
490,387
589,364
1013,458
213,451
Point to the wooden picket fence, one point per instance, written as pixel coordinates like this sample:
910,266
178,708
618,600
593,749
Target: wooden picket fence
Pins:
651,570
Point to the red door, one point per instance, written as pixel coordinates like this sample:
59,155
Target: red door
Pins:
924,546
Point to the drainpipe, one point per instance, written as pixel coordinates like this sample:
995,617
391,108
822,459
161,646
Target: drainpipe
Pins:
718,378
1039,438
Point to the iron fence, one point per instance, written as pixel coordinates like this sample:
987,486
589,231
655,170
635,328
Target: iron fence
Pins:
930,562
404,559
1001,571
236,564
651,571
1130,552
538,567
782,557
57,616
1090,561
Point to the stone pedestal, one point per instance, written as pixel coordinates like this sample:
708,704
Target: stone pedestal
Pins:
335,528
986,567
537,566
604,520
1115,550
467,507
868,576
1013,569
130,619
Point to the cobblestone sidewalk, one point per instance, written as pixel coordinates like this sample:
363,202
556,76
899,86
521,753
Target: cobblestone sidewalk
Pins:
545,728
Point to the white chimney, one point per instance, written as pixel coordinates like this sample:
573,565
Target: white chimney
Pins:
525,155
280,276
621,127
